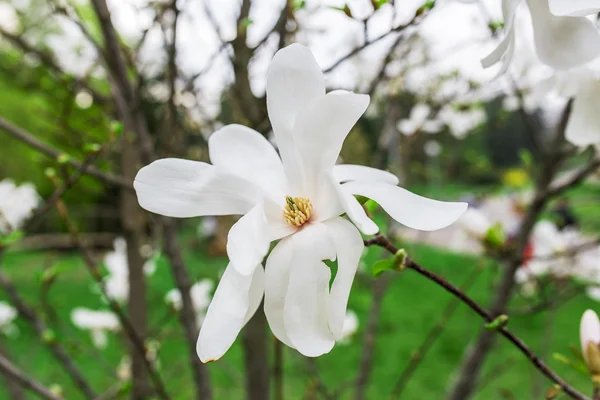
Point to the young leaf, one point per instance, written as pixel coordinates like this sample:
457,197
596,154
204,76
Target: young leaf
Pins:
381,266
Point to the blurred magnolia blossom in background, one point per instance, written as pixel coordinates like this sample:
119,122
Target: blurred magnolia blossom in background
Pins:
16,204
349,327
589,332
201,297
97,322
462,121
418,120
117,280
7,315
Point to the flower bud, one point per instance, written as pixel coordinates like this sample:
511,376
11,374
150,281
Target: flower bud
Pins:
590,341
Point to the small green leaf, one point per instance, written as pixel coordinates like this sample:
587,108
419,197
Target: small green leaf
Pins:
495,237
92,147
11,238
361,199
50,172
526,158
63,158
346,10
428,5
299,5
371,205
382,266
246,22
378,3
116,127
48,336
498,323
496,25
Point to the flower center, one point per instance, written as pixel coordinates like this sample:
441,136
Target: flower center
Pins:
297,210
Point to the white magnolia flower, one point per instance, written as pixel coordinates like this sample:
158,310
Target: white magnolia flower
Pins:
7,315
563,37
349,327
97,322
297,198
201,296
16,204
589,332
117,280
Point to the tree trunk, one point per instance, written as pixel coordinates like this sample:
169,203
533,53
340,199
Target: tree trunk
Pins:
256,355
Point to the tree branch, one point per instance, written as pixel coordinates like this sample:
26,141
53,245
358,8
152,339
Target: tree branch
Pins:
18,376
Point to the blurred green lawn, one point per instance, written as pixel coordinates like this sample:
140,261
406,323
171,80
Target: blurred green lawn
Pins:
412,306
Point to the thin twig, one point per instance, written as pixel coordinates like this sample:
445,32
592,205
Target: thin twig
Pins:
278,369
28,383
385,243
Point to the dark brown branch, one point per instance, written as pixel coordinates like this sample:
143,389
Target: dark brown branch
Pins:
430,339
27,138
255,342
22,379
382,241
576,179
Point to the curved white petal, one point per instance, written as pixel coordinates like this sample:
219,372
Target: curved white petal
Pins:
183,188
307,299
563,42
234,301
349,247
409,209
246,153
574,8
354,209
322,126
248,241
583,127
589,330
294,80
505,50
277,277
349,172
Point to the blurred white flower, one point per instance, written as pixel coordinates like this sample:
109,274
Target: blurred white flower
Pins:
297,198
432,148
208,226
97,322
419,120
117,280
563,38
201,297
84,100
589,331
124,369
511,103
16,204
462,122
349,327
7,316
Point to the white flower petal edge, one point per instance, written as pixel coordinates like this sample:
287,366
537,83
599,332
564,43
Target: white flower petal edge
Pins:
305,311
583,128
409,209
246,153
235,301
563,42
181,188
505,50
248,241
589,331
350,172
348,247
574,8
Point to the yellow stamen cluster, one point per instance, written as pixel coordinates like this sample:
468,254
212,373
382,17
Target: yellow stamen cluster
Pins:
297,210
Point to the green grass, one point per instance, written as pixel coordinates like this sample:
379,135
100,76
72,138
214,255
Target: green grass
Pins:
411,307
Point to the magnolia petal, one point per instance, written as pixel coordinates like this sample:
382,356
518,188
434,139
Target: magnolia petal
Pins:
349,172
307,299
563,42
505,50
182,188
409,209
248,241
583,128
589,330
349,247
354,209
246,153
574,8
233,302
294,80
277,277
321,128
